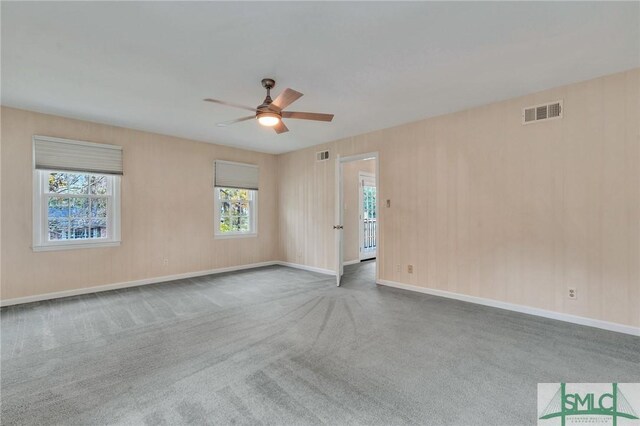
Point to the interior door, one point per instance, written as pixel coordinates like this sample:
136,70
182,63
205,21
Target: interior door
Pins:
337,227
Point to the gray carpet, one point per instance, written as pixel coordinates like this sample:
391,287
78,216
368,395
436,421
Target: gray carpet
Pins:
282,346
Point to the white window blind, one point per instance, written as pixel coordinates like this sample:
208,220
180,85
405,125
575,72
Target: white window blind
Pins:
236,175
67,155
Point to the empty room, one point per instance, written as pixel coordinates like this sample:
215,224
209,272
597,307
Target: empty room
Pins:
341,213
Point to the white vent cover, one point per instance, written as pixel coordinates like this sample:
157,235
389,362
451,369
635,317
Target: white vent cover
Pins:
536,113
322,155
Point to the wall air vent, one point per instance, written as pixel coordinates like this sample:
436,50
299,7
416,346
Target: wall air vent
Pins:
536,113
322,156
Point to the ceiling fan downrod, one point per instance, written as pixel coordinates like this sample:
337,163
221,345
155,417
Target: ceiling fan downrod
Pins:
268,83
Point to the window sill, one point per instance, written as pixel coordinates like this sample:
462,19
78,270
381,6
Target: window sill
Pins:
74,246
233,236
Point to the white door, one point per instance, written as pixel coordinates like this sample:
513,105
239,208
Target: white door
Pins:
368,216
338,222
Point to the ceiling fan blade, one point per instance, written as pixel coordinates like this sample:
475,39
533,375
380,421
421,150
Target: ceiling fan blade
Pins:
307,115
280,127
237,120
284,99
231,104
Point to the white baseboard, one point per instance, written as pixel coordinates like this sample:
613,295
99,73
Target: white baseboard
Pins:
307,268
611,326
620,328
126,284
154,280
351,262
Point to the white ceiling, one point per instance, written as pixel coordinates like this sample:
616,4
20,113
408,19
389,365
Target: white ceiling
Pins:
148,65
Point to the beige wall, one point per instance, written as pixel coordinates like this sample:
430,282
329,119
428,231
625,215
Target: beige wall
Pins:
167,209
507,212
351,204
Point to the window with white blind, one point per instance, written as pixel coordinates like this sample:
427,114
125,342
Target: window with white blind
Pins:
76,194
236,200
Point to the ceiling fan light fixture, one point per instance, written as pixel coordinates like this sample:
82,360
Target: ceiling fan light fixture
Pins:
268,119
271,112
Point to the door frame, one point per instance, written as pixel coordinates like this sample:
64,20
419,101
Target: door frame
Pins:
339,211
362,176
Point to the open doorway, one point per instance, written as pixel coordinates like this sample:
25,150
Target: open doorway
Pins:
368,214
356,211
359,210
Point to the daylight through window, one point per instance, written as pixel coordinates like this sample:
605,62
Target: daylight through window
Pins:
236,211
76,208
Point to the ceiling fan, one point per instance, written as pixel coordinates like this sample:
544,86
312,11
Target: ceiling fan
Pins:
270,113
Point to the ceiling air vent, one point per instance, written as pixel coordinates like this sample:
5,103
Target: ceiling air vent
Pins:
537,113
322,156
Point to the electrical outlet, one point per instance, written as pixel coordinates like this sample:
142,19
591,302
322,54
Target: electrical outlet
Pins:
388,203
572,293
410,269
165,262
397,268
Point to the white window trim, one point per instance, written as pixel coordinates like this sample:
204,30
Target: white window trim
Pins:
253,218
40,216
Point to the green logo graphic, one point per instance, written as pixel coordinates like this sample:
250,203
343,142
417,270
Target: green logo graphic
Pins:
565,404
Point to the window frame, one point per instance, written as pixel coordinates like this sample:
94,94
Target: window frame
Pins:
253,217
40,214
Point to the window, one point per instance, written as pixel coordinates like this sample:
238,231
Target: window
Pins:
236,199
236,212
76,194
75,209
